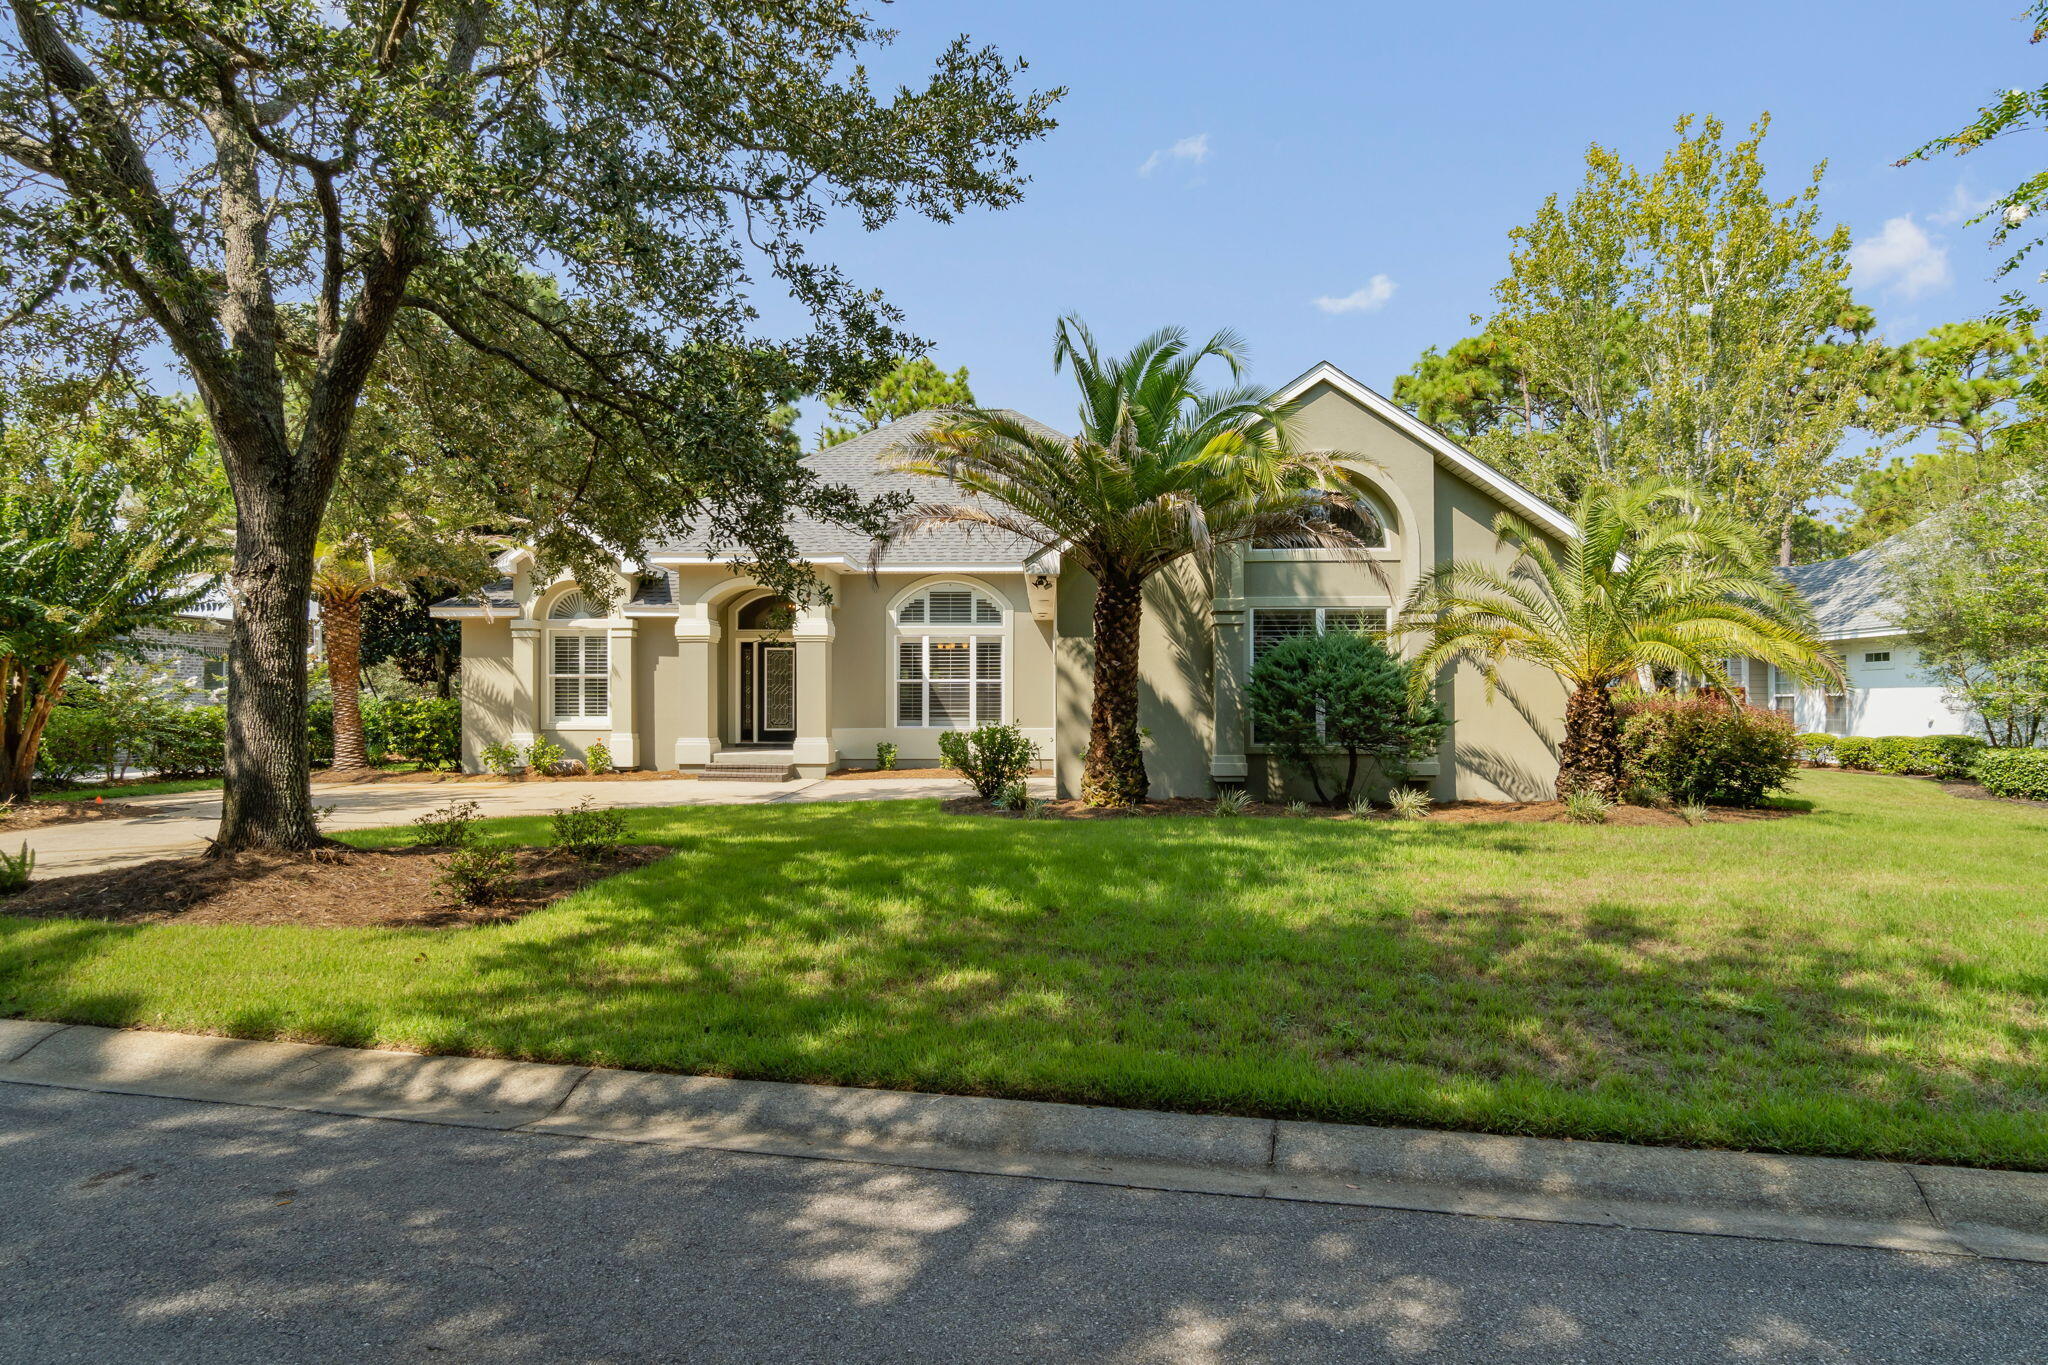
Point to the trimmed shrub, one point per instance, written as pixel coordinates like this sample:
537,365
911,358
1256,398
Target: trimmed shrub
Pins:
427,730
478,876
544,756
588,832
597,757
1944,756
1817,749
1855,751
1949,756
1340,698
2021,773
991,757
1702,748
189,742
500,758
885,756
78,740
452,826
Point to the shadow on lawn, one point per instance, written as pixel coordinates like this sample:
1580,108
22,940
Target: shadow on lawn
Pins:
1074,962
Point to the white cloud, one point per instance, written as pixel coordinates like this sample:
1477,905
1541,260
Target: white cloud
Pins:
1962,206
1193,150
1370,299
1901,258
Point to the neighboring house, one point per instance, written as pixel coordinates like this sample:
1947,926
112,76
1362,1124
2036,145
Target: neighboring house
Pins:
1888,691
700,667
196,651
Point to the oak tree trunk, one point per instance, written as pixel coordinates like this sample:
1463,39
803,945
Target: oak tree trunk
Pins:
279,500
341,625
1591,757
1114,774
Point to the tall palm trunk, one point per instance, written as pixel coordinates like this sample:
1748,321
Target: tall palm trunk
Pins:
1115,771
341,625
1591,757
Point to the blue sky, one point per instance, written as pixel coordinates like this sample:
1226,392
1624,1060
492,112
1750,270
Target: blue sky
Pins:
1223,164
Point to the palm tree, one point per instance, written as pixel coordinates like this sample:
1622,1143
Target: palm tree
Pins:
82,571
1161,469
343,575
1653,581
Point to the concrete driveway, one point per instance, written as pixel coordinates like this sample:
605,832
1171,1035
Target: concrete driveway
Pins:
180,824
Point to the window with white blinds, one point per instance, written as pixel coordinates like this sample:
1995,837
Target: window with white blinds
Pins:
579,676
949,684
1271,625
950,607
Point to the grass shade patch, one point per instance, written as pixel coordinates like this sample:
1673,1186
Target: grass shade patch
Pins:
1863,980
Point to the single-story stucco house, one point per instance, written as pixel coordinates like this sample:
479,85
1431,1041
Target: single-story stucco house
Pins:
1888,691
698,667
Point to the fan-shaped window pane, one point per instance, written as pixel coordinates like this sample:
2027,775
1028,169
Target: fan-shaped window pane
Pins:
571,607
950,607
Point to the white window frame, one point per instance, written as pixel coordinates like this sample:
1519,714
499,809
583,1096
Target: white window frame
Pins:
971,635
580,627
1871,661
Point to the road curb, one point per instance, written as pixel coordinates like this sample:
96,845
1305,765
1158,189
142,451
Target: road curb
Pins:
1937,1209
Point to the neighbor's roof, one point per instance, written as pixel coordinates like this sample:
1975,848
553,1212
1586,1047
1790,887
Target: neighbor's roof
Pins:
1848,595
863,464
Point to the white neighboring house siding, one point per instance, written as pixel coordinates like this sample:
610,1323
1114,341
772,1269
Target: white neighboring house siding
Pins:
1895,696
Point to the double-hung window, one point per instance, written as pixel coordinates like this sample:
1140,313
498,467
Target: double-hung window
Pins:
951,644
579,665
1271,625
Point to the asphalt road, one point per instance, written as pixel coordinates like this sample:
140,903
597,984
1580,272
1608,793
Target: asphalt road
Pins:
137,1229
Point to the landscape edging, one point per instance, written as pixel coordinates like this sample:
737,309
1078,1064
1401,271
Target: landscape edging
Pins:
1940,1209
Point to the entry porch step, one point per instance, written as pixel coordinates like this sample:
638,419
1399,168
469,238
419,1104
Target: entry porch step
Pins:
751,765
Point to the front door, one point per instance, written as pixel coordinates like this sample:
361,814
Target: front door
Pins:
767,692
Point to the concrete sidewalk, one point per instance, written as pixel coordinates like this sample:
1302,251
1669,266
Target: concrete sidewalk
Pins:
1933,1209
181,823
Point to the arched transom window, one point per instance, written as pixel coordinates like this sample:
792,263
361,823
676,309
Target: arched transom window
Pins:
952,659
571,606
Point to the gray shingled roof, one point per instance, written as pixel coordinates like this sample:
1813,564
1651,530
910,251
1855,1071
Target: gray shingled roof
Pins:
862,464
1848,594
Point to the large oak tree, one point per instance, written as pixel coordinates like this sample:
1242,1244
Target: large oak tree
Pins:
582,193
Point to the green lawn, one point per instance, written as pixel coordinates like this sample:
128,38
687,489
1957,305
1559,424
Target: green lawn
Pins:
1869,979
122,790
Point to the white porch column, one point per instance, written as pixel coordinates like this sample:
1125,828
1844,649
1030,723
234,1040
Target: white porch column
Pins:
1227,763
813,632
526,682
625,743
697,648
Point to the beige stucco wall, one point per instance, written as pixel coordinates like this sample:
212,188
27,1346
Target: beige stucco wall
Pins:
486,688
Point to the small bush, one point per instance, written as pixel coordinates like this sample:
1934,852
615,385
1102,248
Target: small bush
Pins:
1329,705
1362,807
588,832
427,730
1014,797
990,758
1950,756
500,758
1297,809
1693,813
451,826
191,741
1232,802
1855,751
1943,756
1409,803
1816,749
1704,748
1587,807
544,756
78,740
2021,773
478,876
885,756
597,758
16,869
1893,754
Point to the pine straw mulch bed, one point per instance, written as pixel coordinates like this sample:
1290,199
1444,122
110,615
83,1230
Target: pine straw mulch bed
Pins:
1450,813
335,887
1970,791
43,813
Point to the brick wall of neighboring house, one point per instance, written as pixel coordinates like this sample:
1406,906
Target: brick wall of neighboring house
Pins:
197,656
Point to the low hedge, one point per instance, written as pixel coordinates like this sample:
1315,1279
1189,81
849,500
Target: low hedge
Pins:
1816,748
1944,756
427,730
2021,773
1702,748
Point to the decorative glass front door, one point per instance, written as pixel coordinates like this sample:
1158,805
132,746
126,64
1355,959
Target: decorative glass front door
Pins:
767,692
